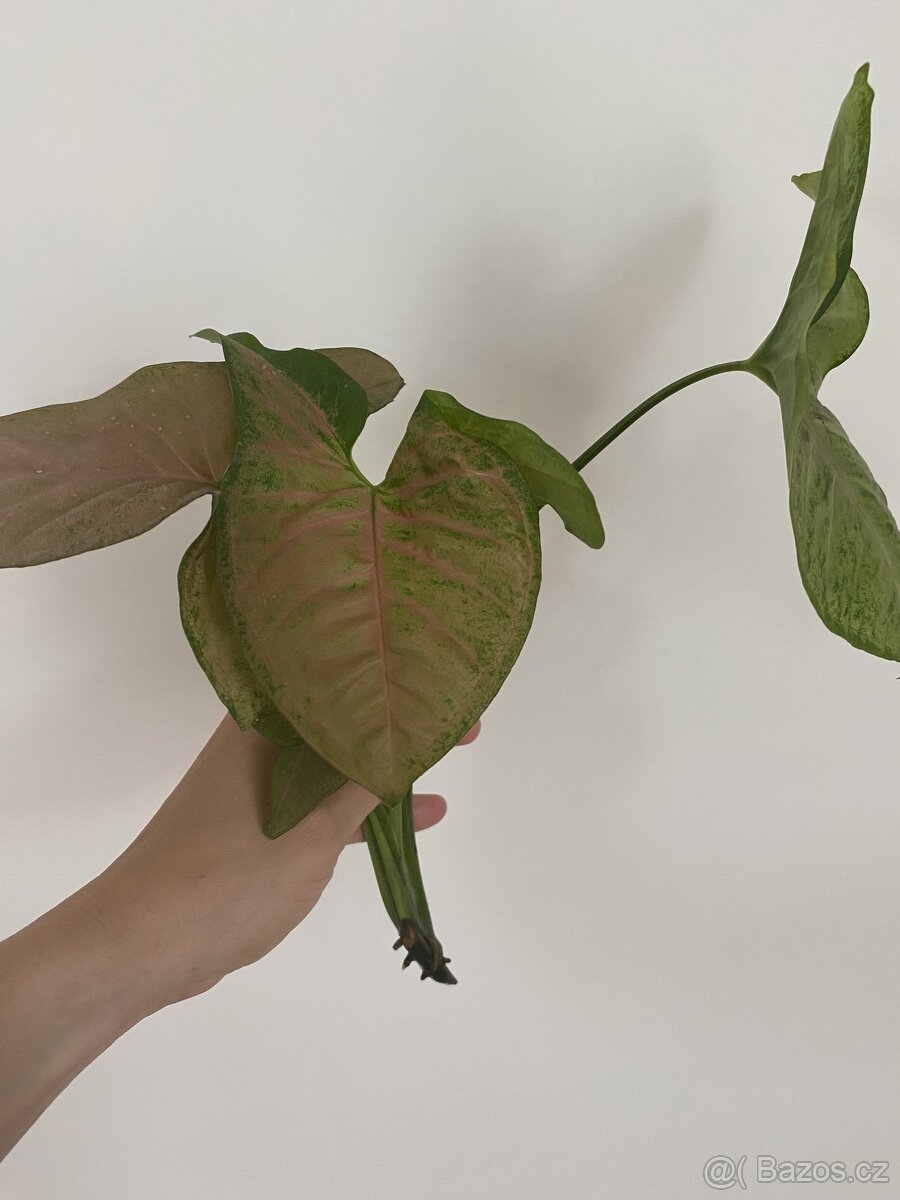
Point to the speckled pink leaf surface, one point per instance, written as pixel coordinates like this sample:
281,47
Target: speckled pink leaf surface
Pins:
381,620
204,616
75,477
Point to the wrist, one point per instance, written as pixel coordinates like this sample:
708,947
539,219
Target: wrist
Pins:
66,997
158,902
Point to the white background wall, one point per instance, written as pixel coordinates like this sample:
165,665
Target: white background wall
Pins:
669,879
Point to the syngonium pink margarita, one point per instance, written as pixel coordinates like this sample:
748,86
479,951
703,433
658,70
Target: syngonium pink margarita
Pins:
364,628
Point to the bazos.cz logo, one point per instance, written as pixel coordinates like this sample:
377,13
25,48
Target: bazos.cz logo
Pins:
722,1172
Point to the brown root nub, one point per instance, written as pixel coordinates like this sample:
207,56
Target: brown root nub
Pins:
422,950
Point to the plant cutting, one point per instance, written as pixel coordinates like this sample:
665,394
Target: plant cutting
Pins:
364,628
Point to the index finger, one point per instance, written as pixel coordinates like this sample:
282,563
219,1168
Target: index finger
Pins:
471,735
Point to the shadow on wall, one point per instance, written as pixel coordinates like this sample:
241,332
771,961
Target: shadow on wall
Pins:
109,622
523,335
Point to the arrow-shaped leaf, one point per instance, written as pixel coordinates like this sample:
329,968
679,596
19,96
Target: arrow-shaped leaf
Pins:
826,252
840,329
75,477
848,546
80,476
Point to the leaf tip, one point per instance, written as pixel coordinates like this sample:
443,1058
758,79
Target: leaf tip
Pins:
209,335
861,81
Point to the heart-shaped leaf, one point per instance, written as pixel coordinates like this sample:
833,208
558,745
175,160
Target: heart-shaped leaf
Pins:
380,620
550,476
848,547
75,477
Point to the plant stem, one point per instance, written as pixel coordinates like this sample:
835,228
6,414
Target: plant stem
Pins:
391,840
651,402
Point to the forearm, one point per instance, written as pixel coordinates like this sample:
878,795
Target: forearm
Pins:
68,989
132,940
200,892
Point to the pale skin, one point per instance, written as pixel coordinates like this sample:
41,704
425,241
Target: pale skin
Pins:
199,893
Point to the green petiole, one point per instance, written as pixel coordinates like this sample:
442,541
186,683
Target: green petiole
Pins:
669,390
391,840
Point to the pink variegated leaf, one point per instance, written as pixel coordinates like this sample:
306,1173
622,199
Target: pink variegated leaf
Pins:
203,612
75,477
380,620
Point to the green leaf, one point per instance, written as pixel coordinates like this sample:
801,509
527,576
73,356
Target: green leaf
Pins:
275,726
76,477
848,547
378,378
340,397
841,328
808,183
380,620
550,476
825,256
300,782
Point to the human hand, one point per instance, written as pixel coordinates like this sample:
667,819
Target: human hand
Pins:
203,891
200,892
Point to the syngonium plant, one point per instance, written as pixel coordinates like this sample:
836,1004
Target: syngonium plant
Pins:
364,628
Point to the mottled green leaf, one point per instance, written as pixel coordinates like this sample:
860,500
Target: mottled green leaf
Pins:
75,477
550,476
300,782
848,547
841,328
825,255
340,397
380,620
275,726
378,378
